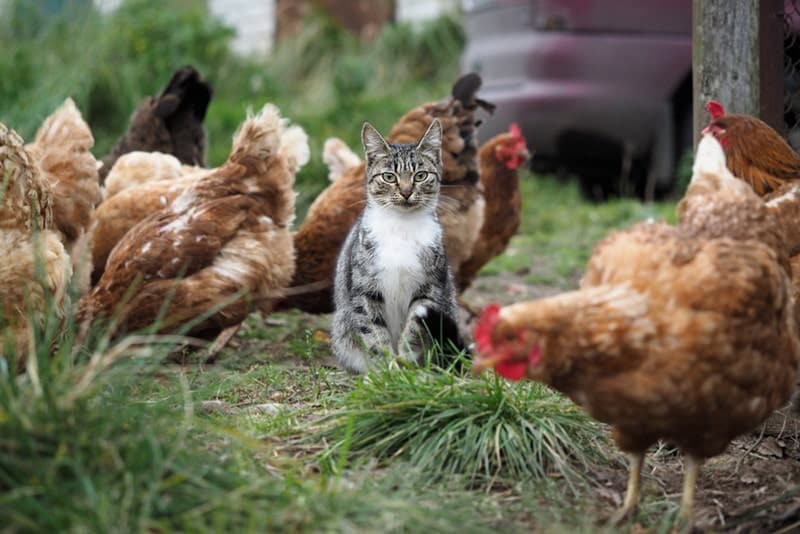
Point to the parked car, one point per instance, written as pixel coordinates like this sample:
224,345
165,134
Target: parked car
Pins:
601,88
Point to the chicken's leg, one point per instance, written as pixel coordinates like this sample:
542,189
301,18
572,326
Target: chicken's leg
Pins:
691,470
632,493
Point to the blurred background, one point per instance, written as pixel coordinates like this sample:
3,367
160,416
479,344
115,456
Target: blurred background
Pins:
601,89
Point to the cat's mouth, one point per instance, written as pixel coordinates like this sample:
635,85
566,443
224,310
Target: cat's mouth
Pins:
408,203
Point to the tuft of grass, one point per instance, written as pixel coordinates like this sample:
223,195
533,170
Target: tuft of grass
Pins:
482,430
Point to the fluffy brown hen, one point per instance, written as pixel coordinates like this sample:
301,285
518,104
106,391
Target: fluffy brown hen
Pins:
171,122
140,184
35,263
62,150
500,159
680,333
460,211
755,152
223,244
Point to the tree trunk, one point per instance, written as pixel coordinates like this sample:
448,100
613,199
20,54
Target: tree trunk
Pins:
362,18
737,50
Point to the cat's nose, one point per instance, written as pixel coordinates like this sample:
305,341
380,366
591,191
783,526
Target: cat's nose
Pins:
406,192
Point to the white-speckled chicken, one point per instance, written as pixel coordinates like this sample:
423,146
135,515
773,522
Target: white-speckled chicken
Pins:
222,245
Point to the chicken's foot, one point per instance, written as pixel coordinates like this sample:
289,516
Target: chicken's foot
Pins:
691,470
219,343
632,493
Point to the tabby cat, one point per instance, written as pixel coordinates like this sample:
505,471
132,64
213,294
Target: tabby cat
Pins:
393,287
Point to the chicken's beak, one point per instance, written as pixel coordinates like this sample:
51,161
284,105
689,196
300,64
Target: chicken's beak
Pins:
482,363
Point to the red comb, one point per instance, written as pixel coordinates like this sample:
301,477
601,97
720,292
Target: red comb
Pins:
483,329
514,130
715,109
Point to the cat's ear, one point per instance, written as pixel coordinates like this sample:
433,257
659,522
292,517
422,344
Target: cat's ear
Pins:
431,142
374,143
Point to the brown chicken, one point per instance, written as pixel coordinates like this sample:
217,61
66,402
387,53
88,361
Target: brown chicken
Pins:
171,123
140,184
332,214
754,151
679,333
29,246
500,159
62,150
221,246
137,168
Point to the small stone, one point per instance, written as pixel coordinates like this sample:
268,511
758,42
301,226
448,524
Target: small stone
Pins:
770,447
267,407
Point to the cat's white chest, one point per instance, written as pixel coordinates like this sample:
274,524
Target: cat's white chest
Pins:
400,239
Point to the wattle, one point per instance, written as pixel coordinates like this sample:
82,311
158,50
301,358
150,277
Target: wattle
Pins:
511,370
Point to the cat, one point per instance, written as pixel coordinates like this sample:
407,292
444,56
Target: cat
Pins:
393,287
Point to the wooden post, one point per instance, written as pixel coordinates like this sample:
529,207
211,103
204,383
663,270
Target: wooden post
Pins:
737,59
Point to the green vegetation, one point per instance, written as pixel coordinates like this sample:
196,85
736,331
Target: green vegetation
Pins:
484,430
142,436
559,230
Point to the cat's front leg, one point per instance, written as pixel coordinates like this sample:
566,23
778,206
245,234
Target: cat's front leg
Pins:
359,335
428,327
416,339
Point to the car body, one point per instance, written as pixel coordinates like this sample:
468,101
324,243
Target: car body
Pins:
600,87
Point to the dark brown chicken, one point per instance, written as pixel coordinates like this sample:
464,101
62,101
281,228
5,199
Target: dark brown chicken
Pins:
171,122
333,213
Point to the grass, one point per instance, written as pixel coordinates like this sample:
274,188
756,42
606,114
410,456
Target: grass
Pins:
559,230
482,430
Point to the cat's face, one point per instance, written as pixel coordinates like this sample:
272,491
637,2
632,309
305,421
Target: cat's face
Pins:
405,177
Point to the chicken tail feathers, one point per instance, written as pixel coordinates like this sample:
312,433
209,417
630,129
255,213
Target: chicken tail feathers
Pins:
338,157
266,135
190,91
294,148
66,125
259,137
465,89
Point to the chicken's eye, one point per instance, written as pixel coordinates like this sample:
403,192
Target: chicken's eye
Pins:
420,176
389,177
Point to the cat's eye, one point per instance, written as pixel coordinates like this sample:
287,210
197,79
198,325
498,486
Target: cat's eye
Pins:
389,177
420,176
